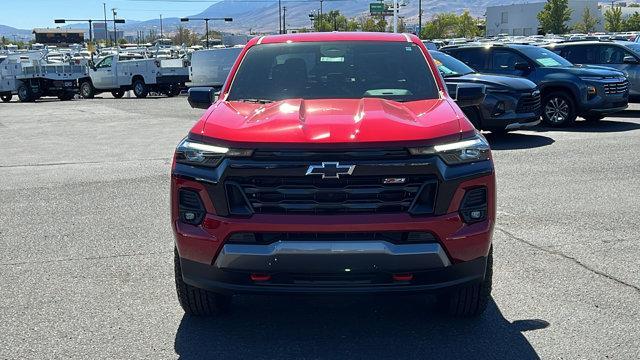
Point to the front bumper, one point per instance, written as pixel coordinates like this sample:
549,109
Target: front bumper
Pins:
212,261
431,280
608,98
510,111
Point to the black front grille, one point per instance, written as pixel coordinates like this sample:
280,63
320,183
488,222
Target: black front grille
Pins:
358,154
395,237
616,87
528,103
349,194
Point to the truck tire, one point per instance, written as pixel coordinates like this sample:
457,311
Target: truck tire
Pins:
25,94
118,94
471,300
558,109
66,96
140,89
87,91
176,90
6,98
195,301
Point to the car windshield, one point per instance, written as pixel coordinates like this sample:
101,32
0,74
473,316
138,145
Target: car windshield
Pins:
450,66
334,70
544,57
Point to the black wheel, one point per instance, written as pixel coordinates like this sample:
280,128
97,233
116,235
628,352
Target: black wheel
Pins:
195,301
471,300
25,94
66,96
86,90
176,90
118,94
140,88
473,114
558,109
593,117
6,98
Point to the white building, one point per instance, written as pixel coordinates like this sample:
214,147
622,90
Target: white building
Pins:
522,19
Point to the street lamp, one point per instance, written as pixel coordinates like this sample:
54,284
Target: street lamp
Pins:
90,21
206,23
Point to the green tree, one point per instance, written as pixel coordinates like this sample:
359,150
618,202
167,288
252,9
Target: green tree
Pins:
440,26
587,23
554,16
334,21
369,23
632,23
467,26
613,19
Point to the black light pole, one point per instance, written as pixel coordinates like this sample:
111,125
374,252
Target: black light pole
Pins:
284,19
161,33
206,24
419,17
279,17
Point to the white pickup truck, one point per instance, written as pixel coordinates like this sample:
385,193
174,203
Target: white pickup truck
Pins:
112,74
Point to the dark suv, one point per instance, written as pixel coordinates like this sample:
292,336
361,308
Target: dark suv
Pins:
621,55
511,102
567,90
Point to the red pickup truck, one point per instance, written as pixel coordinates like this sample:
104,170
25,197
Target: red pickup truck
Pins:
333,163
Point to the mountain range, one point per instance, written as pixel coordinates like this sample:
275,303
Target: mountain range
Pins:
262,15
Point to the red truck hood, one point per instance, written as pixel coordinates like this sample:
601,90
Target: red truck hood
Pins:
330,121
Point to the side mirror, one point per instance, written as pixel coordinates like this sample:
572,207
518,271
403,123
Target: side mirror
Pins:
468,95
202,97
522,66
629,60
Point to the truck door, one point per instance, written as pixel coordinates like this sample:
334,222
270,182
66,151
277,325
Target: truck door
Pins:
104,75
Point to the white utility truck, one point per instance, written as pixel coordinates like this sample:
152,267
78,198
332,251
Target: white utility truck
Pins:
28,75
116,75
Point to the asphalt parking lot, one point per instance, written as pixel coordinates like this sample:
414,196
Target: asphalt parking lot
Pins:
86,251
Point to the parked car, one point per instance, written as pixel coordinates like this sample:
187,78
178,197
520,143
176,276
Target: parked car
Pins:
333,163
511,102
211,67
567,90
623,55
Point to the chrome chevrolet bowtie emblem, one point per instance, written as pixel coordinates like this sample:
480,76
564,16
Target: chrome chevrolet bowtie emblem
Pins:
330,170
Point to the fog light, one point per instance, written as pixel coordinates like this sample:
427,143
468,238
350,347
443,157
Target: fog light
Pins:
499,109
476,214
189,216
591,91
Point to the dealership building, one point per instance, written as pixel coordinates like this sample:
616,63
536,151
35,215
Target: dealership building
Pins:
522,19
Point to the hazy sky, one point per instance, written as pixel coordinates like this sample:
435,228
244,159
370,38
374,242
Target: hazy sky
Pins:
28,14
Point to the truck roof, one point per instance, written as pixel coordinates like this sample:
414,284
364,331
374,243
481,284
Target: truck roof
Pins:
333,36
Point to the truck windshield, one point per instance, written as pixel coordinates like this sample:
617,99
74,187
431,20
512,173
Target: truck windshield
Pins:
544,57
334,70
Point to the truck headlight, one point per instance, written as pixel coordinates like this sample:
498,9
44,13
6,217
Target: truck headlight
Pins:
464,151
199,154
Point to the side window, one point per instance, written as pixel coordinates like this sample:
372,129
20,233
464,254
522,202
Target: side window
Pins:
581,54
475,58
105,63
505,60
611,54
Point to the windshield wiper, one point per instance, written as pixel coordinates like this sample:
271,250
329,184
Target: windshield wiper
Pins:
258,101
